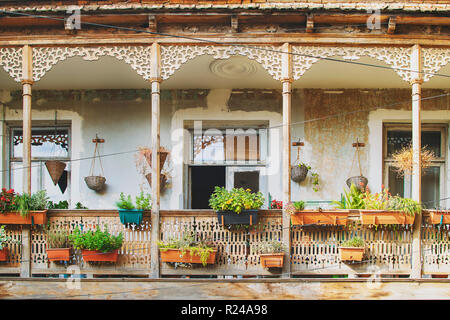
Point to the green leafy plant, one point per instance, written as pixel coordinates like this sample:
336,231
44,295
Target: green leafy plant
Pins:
23,204
273,246
405,205
314,175
352,199
235,200
355,242
57,238
125,203
143,202
39,200
79,205
299,205
60,205
188,243
98,240
3,237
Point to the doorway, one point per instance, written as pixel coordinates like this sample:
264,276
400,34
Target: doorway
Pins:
203,181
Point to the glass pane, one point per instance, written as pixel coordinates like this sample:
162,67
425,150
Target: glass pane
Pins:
209,148
396,183
247,180
431,187
45,143
17,172
397,139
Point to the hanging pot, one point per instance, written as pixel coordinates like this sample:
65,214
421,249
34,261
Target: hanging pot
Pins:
55,169
299,173
162,157
360,182
95,183
162,180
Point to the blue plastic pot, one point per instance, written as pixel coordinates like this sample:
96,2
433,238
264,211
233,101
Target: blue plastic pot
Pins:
130,216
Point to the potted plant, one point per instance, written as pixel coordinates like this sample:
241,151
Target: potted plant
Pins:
60,205
97,245
274,204
128,212
352,250
187,250
300,216
3,244
236,206
24,208
299,173
271,254
58,248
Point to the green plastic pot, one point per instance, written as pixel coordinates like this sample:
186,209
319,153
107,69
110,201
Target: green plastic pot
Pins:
130,216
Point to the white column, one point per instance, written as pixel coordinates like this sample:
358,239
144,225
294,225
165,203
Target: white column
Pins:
155,131
416,177
286,157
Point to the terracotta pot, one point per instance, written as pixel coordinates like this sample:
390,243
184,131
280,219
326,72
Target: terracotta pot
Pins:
351,253
4,254
37,217
377,217
58,254
176,255
331,217
272,260
95,255
438,217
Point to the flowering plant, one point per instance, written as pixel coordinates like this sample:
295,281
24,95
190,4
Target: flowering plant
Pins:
7,200
276,204
235,200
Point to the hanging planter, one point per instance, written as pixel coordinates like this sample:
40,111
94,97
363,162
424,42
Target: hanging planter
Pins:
33,217
130,216
186,256
352,250
320,217
96,182
4,254
272,260
58,254
147,153
162,180
98,256
247,217
438,217
360,182
299,173
55,169
377,217
58,248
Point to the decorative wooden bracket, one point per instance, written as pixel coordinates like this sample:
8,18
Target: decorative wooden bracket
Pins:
98,140
298,144
358,144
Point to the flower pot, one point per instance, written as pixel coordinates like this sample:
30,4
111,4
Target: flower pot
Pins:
299,173
331,217
58,254
162,180
247,217
438,217
95,255
33,217
360,182
96,183
162,157
176,255
55,169
4,254
376,217
130,216
272,260
351,253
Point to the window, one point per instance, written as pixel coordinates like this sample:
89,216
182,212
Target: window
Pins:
46,144
397,136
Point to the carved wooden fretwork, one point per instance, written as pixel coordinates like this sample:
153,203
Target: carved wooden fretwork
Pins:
433,60
396,57
173,57
11,62
138,57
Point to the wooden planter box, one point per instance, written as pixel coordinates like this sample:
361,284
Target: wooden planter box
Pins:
58,254
36,217
130,216
385,217
351,253
438,217
4,254
333,217
176,255
94,255
272,260
247,217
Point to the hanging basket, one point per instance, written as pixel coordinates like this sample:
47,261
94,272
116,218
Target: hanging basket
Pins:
55,169
162,180
163,153
299,173
360,182
95,183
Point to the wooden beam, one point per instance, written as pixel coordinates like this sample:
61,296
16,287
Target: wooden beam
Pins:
310,23
286,152
152,23
155,80
391,25
416,178
234,24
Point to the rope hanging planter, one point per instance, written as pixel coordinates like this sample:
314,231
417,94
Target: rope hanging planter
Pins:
55,167
360,181
299,171
146,153
96,182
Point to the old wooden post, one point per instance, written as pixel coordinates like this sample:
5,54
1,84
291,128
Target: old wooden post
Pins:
286,153
27,81
155,83
416,178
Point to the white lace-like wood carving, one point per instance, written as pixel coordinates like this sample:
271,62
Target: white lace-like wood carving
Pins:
433,60
173,57
11,62
138,57
396,57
